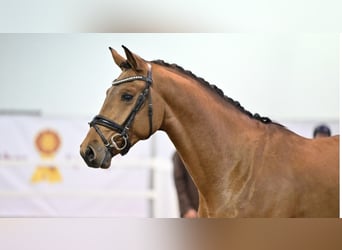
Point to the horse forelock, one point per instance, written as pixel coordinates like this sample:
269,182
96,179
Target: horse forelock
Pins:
215,89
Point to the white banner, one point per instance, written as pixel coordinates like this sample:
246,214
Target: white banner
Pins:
42,173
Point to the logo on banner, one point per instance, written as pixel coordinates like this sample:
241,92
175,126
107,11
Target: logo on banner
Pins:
47,143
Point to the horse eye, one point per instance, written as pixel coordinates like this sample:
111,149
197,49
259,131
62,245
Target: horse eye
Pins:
126,97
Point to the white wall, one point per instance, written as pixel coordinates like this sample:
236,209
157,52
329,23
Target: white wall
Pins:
170,16
284,76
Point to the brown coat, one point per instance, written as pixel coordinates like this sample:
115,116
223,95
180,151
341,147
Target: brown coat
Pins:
186,189
244,165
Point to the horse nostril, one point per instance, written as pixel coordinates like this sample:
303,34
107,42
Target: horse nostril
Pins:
90,154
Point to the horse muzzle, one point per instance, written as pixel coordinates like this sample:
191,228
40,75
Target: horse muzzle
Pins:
96,156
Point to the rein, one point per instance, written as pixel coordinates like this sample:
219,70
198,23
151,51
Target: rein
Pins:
120,140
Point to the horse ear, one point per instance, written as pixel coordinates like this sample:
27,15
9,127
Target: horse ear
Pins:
136,62
118,59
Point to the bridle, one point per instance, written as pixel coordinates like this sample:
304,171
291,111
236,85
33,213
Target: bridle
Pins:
120,140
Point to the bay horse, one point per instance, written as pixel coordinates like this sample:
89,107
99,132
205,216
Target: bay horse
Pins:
243,165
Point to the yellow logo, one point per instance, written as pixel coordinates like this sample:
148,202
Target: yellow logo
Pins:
47,143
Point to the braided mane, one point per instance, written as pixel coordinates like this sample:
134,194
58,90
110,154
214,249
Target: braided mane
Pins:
217,90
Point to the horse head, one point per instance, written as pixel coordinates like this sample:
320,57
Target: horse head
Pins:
131,112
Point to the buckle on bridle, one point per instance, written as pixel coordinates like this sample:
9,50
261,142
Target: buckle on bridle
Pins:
115,144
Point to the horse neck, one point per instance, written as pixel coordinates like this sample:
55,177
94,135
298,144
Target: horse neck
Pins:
204,127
